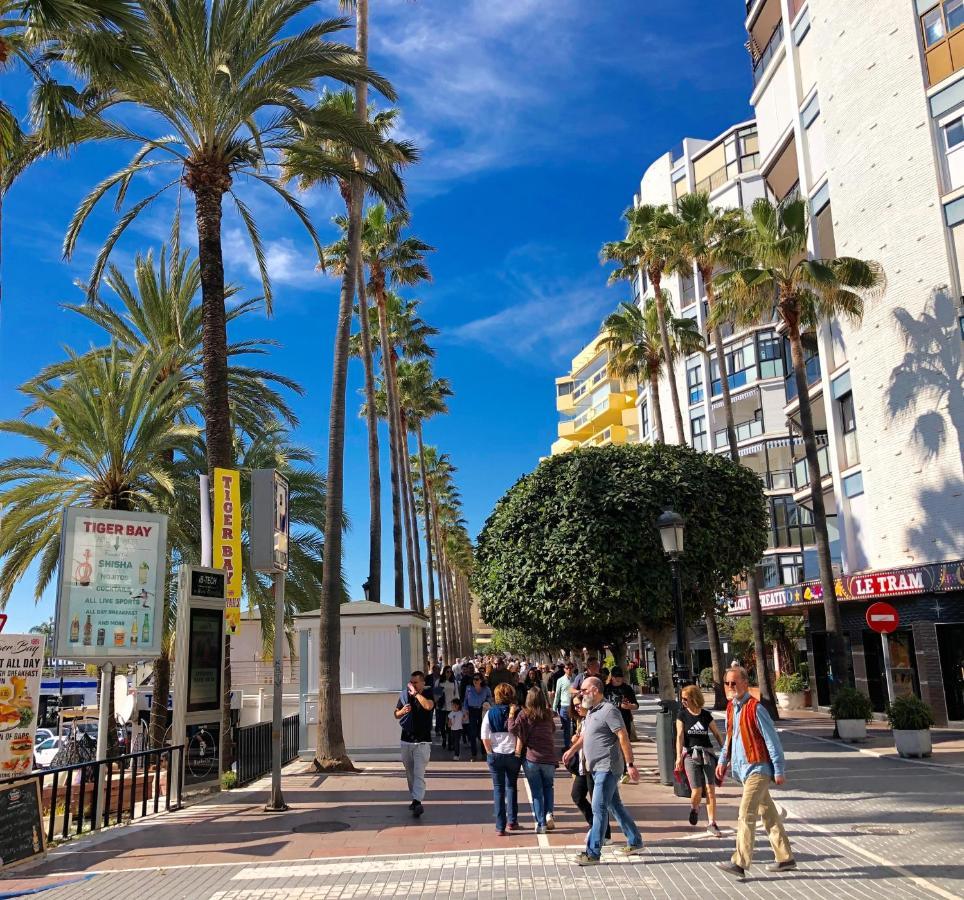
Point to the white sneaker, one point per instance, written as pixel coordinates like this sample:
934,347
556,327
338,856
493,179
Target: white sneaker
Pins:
550,822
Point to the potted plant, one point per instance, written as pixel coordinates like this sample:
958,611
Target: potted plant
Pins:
706,684
789,689
910,719
803,670
851,710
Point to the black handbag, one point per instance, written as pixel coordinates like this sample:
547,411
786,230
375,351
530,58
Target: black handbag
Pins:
681,784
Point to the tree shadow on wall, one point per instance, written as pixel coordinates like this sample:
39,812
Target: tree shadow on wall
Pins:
931,368
927,381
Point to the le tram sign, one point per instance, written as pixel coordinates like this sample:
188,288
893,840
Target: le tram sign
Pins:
914,580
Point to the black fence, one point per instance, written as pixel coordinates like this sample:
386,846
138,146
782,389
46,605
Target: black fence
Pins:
135,785
253,747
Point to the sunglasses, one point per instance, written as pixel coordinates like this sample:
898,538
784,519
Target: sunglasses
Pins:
730,683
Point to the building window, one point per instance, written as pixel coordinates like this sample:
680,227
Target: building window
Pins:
790,525
943,39
644,418
740,366
848,425
694,380
564,389
687,291
853,485
781,570
698,431
954,132
770,350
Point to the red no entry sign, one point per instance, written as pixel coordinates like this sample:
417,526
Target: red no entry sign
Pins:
882,618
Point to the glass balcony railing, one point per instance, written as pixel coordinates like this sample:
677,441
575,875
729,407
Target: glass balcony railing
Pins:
762,62
777,479
813,376
801,476
590,414
590,383
744,431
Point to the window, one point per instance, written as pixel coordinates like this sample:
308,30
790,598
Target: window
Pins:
740,360
770,350
781,570
687,291
853,485
954,14
846,403
564,389
644,418
698,431
790,525
933,27
848,424
944,49
812,109
954,133
694,380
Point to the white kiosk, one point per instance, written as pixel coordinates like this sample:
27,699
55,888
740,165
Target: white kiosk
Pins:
380,646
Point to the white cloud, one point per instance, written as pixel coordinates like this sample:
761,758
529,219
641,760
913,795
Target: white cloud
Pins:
287,263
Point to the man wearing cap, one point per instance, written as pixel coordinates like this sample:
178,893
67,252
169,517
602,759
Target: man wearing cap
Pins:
621,695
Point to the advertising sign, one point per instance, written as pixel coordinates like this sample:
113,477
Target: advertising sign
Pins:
205,641
111,584
227,542
21,668
21,822
269,521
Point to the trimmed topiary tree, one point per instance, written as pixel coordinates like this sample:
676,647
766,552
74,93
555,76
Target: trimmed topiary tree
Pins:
572,549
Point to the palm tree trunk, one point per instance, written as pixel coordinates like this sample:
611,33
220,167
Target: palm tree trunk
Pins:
764,679
716,659
831,609
392,405
413,520
668,355
664,668
427,517
214,366
162,688
657,409
410,536
374,463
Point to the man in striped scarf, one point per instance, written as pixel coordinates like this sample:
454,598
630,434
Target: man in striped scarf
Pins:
754,752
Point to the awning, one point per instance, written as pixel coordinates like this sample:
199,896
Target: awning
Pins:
773,442
739,395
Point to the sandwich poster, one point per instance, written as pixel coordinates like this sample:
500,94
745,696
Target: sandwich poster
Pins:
21,667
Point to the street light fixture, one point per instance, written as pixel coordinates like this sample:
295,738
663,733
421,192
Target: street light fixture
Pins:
671,526
367,588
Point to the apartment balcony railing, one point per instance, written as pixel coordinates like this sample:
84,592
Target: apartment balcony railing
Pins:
584,387
744,431
736,380
801,476
777,479
813,376
721,176
590,414
761,63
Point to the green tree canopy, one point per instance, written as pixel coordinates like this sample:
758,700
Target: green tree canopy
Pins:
572,548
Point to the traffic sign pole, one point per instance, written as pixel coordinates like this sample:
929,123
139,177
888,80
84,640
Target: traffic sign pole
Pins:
888,673
884,618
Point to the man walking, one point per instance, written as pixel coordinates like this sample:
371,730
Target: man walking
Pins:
754,752
606,747
414,713
560,704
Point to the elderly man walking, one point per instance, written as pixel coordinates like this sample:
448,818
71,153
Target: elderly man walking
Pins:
605,744
754,753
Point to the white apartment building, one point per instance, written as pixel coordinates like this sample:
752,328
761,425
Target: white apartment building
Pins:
860,108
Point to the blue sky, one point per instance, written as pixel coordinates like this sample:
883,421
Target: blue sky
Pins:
536,119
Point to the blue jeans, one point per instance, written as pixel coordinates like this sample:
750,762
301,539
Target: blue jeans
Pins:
605,800
505,773
566,729
540,777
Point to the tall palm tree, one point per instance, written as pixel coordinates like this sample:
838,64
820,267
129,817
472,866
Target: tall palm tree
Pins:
706,237
435,485
317,160
777,268
645,250
228,90
392,260
636,349
424,397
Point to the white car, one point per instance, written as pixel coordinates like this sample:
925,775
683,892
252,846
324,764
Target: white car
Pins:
42,735
45,752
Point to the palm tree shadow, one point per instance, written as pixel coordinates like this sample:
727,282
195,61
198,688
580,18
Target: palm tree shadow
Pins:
930,373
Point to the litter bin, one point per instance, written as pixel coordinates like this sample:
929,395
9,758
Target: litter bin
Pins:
666,740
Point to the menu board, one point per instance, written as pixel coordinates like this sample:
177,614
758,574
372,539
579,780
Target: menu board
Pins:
21,668
21,822
111,584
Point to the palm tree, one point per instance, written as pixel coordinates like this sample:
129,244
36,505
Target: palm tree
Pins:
228,90
706,237
646,249
18,151
317,160
636,350
392,260
776,268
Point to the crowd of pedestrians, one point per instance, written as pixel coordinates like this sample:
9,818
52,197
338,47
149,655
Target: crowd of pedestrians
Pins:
513,710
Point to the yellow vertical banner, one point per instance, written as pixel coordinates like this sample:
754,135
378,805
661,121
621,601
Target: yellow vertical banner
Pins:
227,542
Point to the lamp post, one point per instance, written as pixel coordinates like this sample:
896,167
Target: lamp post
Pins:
671,526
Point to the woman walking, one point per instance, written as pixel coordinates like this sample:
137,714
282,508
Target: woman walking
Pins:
478,698
536,729
532,680
447,691
503,754
694,754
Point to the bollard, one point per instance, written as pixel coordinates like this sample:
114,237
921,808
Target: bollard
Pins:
666,740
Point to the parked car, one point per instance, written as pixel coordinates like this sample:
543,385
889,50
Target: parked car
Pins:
44,753
42,735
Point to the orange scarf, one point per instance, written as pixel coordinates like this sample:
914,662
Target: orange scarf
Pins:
754,747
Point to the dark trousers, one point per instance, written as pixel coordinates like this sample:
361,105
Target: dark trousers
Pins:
581,788
453,741
440,719
475,728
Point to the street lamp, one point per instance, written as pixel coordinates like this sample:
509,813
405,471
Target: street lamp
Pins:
671,526
367,587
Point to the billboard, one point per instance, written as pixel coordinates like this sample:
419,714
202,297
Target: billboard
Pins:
21,668
227,542
111,583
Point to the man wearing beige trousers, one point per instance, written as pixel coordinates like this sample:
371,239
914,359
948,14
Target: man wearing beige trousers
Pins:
754,753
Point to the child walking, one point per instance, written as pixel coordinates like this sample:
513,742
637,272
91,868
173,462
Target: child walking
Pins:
455,720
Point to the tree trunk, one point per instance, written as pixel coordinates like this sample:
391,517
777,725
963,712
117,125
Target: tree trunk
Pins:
426,515
411,537
374,463
664,668
214,365
657,409
764,679
410,488
668,357
162,688
716,659
391,402
831,608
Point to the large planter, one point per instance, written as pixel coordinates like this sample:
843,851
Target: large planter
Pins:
852,729
790,701
913,743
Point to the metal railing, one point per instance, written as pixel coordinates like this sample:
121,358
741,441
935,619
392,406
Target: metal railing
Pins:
766,56
744,431
135,785
801,474
253,744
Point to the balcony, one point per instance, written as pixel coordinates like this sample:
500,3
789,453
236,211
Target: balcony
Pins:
777,479
813,377
751,428
589,383
762,62
801,476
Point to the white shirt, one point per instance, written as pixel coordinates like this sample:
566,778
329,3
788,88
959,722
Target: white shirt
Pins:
455,720
502,741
